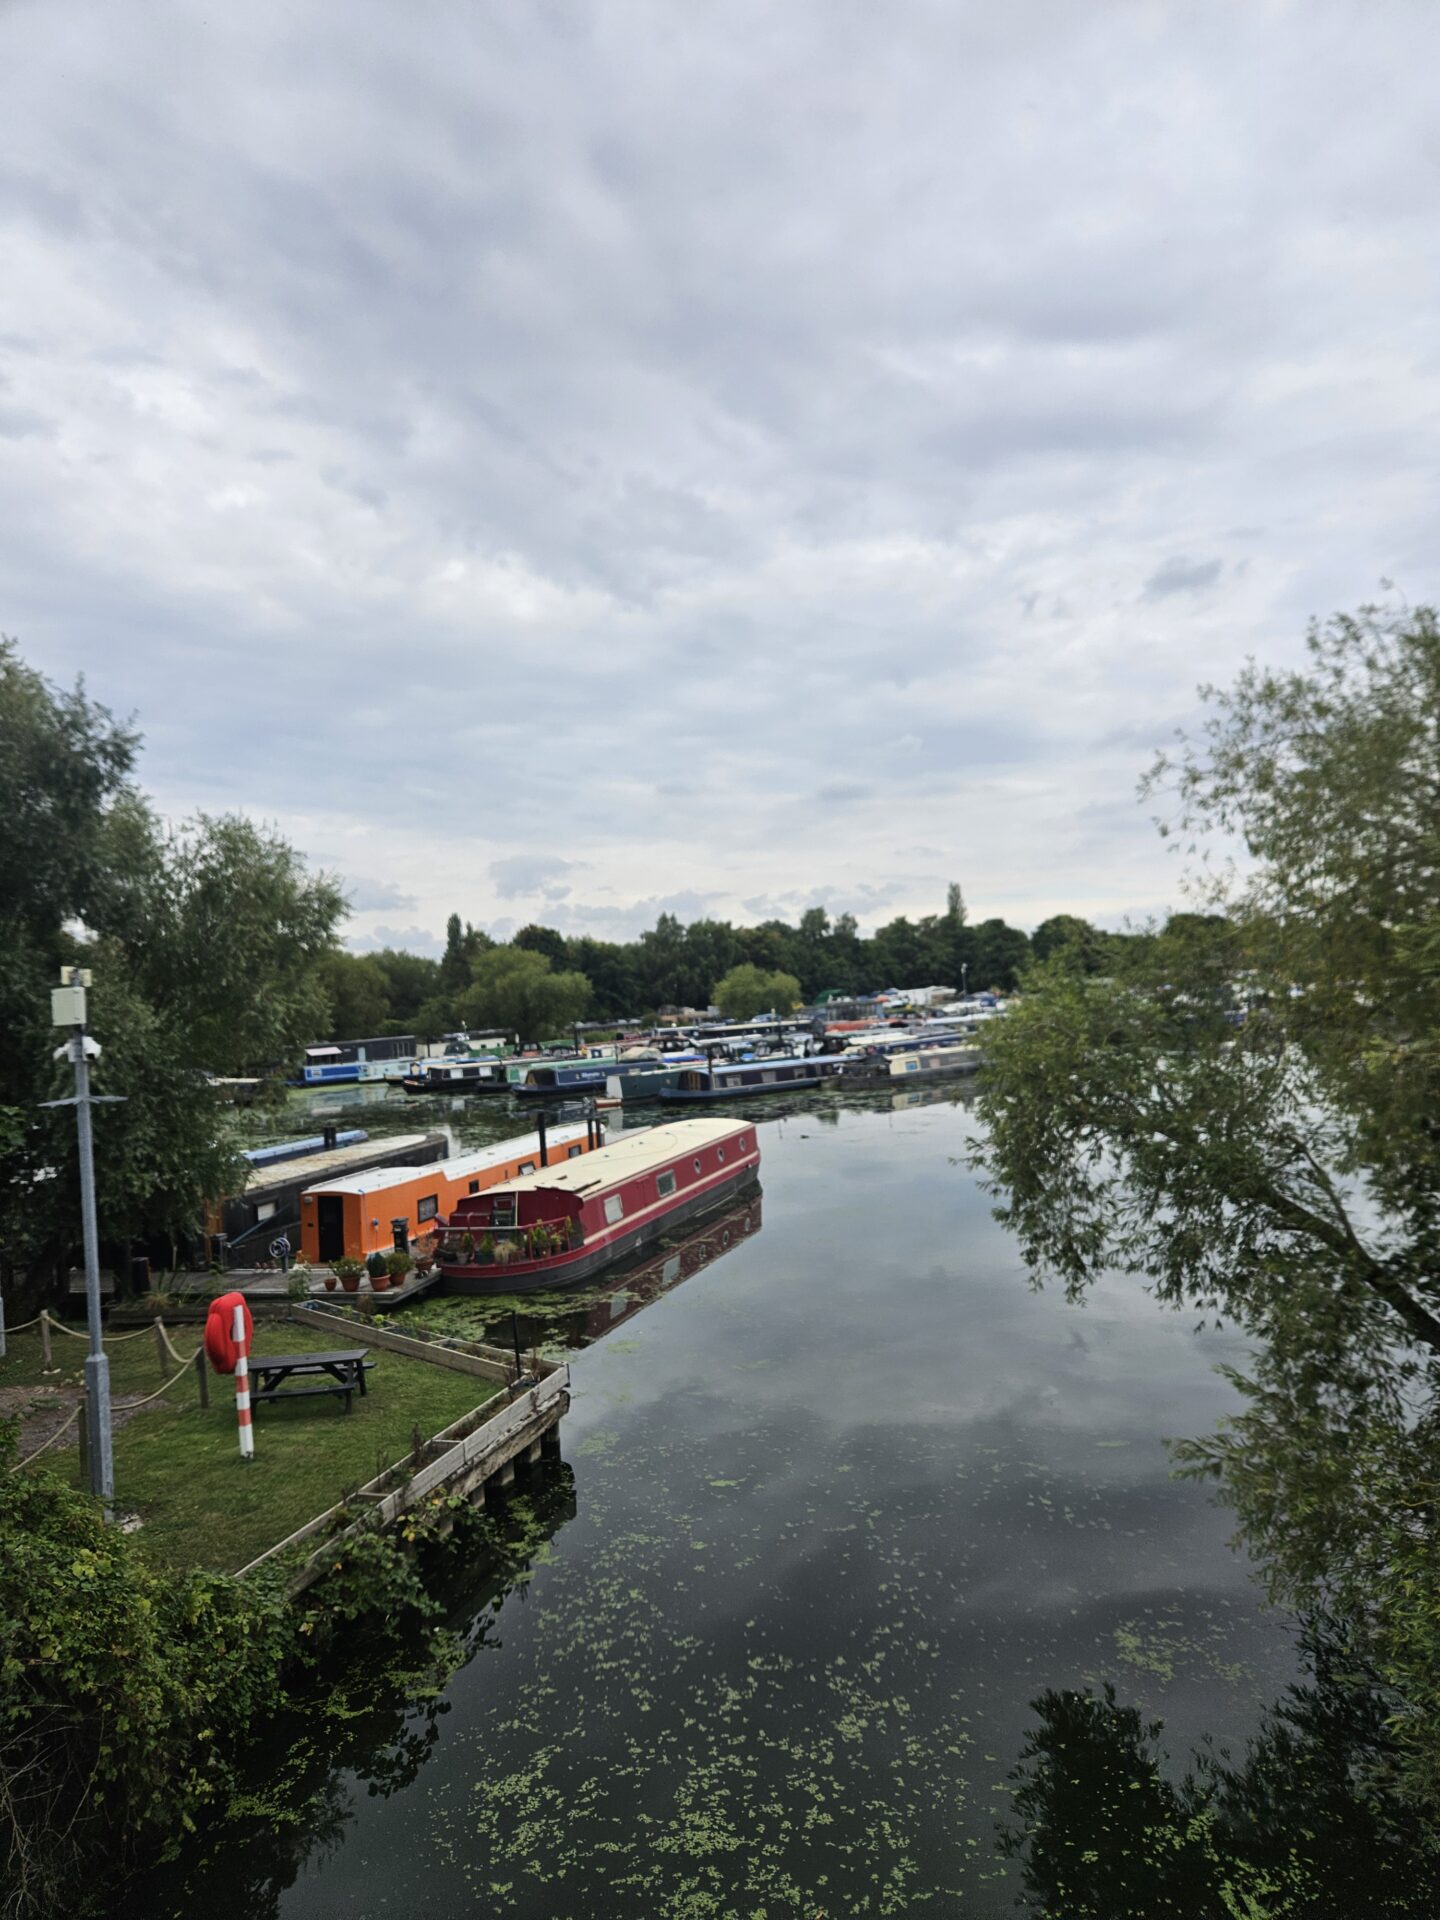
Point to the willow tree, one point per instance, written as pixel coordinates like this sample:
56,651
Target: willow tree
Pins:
1244,1114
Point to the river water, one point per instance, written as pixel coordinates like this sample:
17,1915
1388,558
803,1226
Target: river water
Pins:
841,1499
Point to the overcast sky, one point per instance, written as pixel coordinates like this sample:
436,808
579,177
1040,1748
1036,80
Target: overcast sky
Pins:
564,461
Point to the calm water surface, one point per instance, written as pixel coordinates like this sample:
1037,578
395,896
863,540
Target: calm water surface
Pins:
844,1500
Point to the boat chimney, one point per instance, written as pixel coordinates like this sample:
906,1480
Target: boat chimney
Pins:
331,1138
544,1151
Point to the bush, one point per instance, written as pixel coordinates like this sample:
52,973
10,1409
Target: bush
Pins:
121,1689
377,1265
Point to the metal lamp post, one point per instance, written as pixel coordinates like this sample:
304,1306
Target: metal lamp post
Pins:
67,1009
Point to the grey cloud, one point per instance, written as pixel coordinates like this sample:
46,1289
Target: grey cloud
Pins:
522,875
1179,575
410,939
17,422
379,896
621,445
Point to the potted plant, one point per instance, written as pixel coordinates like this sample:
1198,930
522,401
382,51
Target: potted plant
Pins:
378,1268
487,1247
330,1280
399,1265
348,1271
467,1246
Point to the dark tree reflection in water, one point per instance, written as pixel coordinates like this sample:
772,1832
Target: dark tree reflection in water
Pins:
1307,1824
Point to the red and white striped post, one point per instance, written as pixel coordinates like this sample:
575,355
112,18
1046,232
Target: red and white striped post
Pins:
242,1386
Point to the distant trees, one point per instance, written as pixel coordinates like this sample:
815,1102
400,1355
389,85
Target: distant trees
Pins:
675,965
747,990
517,989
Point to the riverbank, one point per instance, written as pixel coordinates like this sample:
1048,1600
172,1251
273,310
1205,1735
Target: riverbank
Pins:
178,1473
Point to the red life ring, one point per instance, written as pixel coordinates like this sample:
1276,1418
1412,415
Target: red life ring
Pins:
220,1331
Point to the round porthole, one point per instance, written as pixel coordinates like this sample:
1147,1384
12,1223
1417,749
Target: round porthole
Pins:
720,1153
698,1168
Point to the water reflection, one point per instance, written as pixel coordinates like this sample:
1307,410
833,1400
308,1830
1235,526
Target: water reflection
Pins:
846,1506
1305,1824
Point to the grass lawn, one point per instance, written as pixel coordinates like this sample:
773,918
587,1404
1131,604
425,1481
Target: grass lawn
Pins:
178,1466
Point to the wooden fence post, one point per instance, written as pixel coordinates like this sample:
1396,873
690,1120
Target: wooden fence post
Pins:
45,1339
202,1375
160,1345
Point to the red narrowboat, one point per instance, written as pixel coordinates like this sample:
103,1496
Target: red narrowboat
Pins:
561,1225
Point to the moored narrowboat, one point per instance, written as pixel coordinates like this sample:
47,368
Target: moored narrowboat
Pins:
885,1068
560,1225
456,1076
357,1215
743,1078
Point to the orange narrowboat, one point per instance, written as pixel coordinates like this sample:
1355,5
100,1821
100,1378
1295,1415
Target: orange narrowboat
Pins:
355,1216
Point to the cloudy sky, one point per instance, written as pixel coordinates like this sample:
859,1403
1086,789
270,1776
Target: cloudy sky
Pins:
561,461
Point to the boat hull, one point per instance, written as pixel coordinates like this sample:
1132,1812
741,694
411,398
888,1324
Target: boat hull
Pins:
573,1268
704,1096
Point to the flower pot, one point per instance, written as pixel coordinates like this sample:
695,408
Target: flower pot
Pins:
351,1283
329,1283
380,1283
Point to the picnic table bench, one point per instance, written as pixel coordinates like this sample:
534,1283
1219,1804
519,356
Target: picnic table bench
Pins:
344,1371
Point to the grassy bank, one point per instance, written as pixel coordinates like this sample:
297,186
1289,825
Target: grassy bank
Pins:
178,1467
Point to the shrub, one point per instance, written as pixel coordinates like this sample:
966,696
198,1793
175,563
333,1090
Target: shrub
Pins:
121,1689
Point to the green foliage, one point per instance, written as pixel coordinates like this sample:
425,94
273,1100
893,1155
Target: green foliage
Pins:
123,1689
746,991
1085,946
206,944
1243,1114
516,989
358,994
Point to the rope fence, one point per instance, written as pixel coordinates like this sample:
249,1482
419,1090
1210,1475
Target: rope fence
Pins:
114,1339
37,1451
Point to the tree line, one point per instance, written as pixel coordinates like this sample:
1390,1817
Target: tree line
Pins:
217,951
675,965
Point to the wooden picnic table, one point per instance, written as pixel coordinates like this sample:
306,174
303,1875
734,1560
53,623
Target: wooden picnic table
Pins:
344,1371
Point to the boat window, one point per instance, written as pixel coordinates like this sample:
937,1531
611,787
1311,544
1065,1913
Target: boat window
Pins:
614,1208
474,1187
574,1152
664,1184
720,1153
697,1166
750,1079
427,1208
502,1211
527,1166
912,1066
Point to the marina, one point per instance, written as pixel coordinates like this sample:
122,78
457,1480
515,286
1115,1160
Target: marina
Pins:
850,1476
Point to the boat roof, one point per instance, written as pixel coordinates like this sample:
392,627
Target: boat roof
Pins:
374,1179
312,1168
763,1060
633,1153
